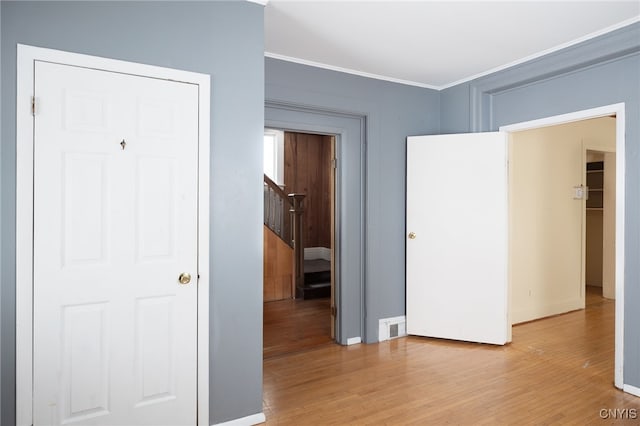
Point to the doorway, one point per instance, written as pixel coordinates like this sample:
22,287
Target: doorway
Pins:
547,248
299,284
600,256
350,198
550,191
616,115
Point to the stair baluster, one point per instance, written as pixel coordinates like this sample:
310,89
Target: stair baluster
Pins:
283,215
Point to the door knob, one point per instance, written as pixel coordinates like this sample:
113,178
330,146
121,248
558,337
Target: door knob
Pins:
412,235
184,278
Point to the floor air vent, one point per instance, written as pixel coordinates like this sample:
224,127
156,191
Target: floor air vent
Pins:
390,328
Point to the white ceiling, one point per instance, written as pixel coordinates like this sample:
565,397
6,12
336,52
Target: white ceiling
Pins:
433,44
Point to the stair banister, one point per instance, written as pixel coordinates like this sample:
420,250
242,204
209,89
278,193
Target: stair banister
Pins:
289,227
276,207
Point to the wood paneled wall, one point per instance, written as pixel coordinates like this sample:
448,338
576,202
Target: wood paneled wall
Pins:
277,268
307,170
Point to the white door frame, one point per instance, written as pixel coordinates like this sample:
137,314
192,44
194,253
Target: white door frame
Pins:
27,55
619,111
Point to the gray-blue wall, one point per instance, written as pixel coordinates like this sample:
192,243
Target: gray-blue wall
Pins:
599,72
392,112
225,40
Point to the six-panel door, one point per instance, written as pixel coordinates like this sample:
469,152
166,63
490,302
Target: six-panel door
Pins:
115,224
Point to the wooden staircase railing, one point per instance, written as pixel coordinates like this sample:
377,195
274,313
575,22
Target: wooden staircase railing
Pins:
283,215
276,210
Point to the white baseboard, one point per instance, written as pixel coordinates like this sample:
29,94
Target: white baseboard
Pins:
317,253
254,419
530,314
354,340
631,389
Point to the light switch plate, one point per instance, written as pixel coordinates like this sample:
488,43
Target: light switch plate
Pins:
580,192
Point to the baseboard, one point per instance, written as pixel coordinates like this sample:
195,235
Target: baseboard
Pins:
354,340
254,419
529,314
317,253
631,389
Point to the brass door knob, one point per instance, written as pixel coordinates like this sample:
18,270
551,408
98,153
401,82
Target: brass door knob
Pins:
184,278
412,235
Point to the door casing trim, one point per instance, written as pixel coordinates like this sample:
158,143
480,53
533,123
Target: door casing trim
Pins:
26,58
294,124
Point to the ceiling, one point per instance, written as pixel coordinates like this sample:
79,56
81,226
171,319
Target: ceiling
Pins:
434,44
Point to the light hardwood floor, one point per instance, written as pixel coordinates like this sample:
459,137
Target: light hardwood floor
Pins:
557,371
295,325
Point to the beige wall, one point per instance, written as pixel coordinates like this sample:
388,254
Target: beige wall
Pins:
546,223
609,227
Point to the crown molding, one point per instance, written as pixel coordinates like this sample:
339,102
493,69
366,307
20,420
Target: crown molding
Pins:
347,70
530,58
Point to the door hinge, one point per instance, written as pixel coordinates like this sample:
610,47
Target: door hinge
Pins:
334,311
33,105
334,163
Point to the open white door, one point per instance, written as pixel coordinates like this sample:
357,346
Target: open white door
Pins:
457,237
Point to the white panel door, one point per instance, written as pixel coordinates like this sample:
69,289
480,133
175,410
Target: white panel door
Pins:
115,224
457,237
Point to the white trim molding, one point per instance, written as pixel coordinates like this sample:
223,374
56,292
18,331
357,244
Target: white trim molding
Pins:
440,87
543,53
354,341
347,70
27,56
619,111
632,390
251,420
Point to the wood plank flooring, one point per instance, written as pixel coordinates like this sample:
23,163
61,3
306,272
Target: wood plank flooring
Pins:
295,325
557,371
